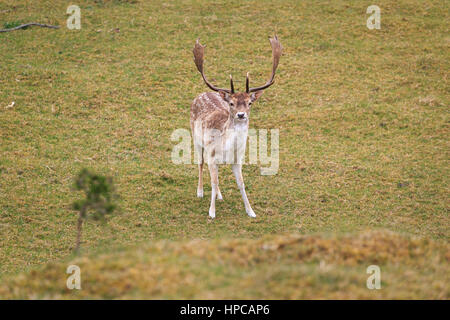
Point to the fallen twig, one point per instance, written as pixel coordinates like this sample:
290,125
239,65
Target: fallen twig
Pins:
30,24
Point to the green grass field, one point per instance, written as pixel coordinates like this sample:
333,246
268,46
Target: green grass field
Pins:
364,125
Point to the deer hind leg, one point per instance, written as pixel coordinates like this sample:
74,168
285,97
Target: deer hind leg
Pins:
237,170
214,172
219,194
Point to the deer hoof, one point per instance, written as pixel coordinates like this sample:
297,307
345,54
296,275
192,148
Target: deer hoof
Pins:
212,214
199,193
219,196
251,214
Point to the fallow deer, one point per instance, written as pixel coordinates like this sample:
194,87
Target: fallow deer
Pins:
219,123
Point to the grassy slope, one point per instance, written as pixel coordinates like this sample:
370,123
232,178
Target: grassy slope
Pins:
363,119
276,267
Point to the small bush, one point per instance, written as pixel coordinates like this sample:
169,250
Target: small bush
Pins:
98,201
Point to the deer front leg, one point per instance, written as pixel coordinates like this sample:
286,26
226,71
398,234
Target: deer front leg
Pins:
214,173
200,181
199,151
237,170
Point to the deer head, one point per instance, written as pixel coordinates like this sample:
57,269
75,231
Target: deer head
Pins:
240,102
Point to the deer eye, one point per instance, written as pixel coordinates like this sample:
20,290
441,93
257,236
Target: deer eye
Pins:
232,104
250,103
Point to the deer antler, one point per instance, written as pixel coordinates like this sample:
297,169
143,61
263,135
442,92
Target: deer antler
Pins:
198,59
276,53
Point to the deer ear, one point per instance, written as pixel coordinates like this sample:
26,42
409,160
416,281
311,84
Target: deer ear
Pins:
225,96
255,95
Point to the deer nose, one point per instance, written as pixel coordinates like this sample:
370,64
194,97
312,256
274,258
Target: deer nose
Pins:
241,115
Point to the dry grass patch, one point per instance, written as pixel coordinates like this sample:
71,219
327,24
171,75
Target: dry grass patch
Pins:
273,267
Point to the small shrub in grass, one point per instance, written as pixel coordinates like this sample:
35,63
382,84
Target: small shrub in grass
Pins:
98,201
